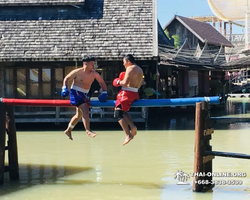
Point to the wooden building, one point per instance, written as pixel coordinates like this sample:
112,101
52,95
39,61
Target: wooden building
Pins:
42,41
193,58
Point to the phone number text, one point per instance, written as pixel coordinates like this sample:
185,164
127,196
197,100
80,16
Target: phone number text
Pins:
219,182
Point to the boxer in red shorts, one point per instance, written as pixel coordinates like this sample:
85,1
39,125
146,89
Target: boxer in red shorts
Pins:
126,97
130,81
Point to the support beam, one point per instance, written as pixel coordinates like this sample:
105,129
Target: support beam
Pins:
12,145
227,154
2,141
205,46
180,49
221,47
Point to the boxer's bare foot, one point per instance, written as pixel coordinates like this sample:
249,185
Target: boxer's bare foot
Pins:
91,134
68,133
127,139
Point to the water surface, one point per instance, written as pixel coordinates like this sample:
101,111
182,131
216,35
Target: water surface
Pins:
53,167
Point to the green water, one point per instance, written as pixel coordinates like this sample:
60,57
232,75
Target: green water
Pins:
53,167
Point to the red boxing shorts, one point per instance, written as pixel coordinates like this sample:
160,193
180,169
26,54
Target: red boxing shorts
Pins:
126,97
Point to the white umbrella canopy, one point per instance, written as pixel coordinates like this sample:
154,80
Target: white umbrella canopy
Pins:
230,10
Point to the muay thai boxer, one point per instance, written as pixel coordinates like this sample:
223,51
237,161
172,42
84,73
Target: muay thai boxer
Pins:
79,93
130,81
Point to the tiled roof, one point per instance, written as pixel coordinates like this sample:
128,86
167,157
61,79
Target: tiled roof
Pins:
107,29
204,31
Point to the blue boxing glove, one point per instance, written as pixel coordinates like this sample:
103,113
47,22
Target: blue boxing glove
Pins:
65,91
103,96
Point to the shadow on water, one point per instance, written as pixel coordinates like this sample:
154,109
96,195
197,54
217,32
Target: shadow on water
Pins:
32,175
145,185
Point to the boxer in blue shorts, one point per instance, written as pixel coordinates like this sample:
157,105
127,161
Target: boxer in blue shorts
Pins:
79,93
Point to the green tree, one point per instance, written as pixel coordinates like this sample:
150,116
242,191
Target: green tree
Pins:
175,37
167,33
177,40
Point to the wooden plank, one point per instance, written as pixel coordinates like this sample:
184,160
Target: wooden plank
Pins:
207,158
208,131
230,119
54,120
12,145
102,112
36,113
228,154
2,140
68,113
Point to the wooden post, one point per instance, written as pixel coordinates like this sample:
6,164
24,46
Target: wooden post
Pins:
57,115
2,140
213,22
220,27
208,164
12,145
200,115
230,32
225,29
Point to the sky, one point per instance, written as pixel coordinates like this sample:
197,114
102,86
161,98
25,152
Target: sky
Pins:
166,9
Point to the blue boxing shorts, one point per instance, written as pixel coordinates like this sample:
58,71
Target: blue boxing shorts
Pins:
79,96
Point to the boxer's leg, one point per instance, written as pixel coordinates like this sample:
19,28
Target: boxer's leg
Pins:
85,119
130,122
73,122
118,114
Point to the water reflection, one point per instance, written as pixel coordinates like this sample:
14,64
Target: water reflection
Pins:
32,175
235,107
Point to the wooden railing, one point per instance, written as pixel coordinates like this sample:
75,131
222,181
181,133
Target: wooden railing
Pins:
96,115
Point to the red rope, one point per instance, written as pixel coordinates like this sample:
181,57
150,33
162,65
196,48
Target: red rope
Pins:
36,102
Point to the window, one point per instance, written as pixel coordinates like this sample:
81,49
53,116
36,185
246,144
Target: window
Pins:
21,83
34,84
9,83
58,82
46,83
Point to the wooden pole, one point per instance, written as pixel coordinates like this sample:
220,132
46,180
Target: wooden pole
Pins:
230,32
12,145
214,23
221,27
225,29
2,140
199,145
208,163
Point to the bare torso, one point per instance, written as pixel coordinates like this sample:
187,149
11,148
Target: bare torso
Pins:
135,76
84,79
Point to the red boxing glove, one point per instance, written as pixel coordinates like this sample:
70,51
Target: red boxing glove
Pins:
122,75
116,82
